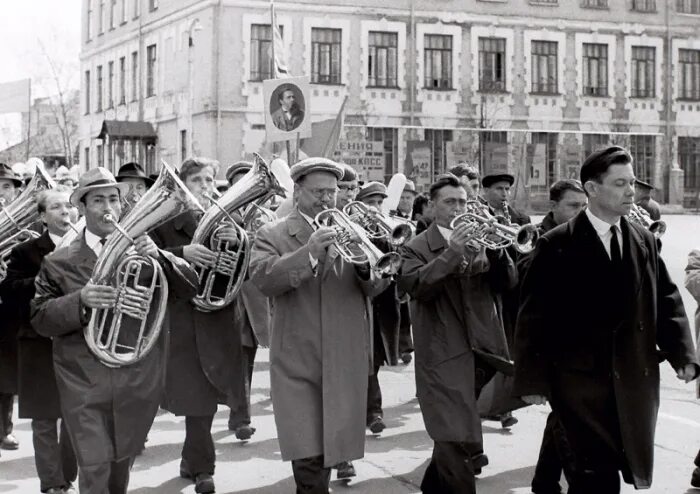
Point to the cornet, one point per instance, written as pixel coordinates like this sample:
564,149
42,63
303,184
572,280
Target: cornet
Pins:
379,225
354,246
493,235
639,216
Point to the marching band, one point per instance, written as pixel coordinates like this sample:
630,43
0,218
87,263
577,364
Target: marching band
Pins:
159,295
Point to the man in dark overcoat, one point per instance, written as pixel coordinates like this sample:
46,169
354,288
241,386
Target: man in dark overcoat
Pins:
108,410
37,391
601,374
204,358
458,331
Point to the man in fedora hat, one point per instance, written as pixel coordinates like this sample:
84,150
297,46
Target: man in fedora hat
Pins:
10,184
108,411
496,194
405,206
132,174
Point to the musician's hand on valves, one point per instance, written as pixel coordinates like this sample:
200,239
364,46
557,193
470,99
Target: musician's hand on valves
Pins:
145,246
229,234
461,236
98,296
534,399
199,255
320,240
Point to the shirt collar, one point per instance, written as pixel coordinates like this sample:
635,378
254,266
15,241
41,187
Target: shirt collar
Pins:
446,232
308,218
93,241
56,239
601,227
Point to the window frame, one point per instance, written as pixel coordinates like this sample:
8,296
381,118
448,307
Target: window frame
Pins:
693,66
110,84
87,79
374,60
135,79
645,6
601,62
444,54
99,88
122,80
262,48
643,69
689,7
537,87
151,70
496,60
332,50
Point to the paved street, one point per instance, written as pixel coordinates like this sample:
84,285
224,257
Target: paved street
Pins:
394,461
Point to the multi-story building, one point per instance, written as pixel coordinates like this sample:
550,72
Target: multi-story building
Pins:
530,86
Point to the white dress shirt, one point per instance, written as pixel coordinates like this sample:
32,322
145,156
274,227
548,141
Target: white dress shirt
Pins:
602,228
93,241
55,239
310,221
446,232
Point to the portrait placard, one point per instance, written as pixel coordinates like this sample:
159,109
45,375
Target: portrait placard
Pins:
287,108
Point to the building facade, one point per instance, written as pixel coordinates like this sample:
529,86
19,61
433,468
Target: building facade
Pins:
530,86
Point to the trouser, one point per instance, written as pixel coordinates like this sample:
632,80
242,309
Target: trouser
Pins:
241,414
198,452
54,457
450,470
374,396
311,476
483,373
405,340
106,478
7,401
549,466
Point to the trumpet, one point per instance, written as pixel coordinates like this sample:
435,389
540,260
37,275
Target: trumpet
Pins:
492,234
355,246
639,216
379,225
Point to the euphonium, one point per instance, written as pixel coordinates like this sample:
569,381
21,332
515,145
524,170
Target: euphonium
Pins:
256,216
379,225
492,234
639,216
219,284
126,333
353,244
20,214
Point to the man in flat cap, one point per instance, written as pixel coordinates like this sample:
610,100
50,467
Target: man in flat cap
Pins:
642,197
601,375
496,194
319,360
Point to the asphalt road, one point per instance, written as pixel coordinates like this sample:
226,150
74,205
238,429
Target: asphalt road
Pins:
395,461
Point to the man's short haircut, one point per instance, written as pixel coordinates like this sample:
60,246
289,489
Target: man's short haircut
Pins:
444,180
43,197
419,205
283,89
557,191
598,163
464,170
194,165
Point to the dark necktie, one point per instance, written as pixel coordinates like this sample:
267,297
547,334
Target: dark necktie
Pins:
615,252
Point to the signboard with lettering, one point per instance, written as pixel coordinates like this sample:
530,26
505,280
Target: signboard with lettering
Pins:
366,157
495,157
419,164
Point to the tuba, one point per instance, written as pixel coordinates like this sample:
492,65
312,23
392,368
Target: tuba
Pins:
20,214
492,234
639,216
354,246
124,334
219,284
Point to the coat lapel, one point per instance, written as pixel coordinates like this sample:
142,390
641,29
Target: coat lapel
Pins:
634,254
437,244
298,227
44,244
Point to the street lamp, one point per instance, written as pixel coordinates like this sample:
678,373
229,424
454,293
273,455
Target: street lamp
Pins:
195,26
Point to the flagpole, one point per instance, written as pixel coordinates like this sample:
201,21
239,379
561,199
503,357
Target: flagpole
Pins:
29,118
272,36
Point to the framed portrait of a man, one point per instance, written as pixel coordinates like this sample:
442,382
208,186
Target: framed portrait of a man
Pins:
287,111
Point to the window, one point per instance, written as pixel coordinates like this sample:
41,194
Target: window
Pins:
595,69
390,138
325,56
594,142
150,71
87,92
382,59
544,67
112,16
689,161
644,5
543,175
438,148
689,77
643,72
492,64
134,76
688,6
493,150
100,155
87,158
123,11
183,145
595,4
101,20
88,21
122,80
261,52
99,88
642,149
438,61
152,5
137,8
110,85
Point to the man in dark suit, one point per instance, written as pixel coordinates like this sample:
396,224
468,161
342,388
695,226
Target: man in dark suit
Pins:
288,116
37,392
458,331
108,410
204,358
601,373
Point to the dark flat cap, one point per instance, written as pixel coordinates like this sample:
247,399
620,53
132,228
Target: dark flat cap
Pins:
236,168
312,165
371,189
7,174
349,175
644,185
133,170
489,180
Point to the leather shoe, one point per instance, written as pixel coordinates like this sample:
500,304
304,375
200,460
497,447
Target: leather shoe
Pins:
55,490
377,425
406,358
507,420
244,432
479,461
9,442
204,483
345,470
695,479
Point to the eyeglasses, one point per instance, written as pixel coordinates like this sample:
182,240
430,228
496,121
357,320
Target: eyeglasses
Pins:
319,193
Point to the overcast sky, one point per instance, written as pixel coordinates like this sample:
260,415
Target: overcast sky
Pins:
24,26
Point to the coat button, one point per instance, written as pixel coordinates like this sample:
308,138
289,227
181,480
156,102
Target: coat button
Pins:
641,326
646,371
616,374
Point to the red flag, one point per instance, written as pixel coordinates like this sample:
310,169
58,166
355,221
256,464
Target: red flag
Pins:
325,135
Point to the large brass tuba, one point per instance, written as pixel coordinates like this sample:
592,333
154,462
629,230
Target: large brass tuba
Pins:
20,214
126,333
219,284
